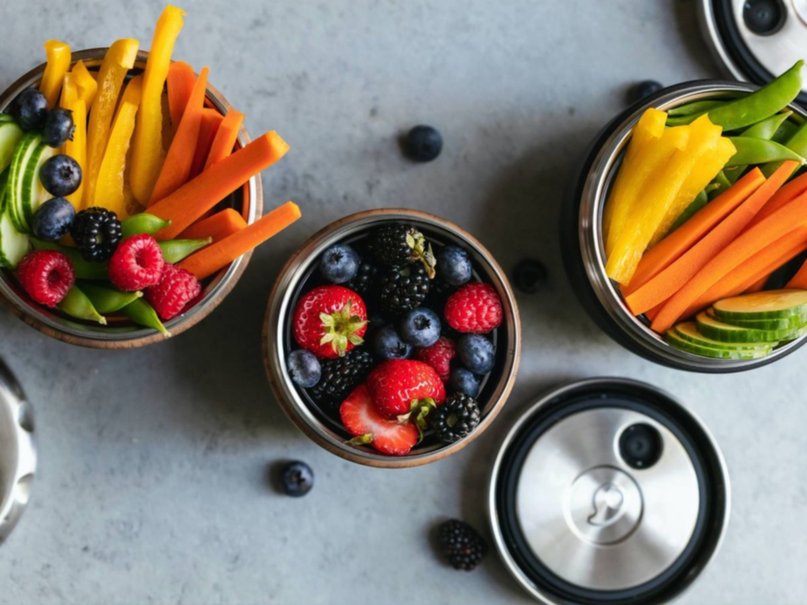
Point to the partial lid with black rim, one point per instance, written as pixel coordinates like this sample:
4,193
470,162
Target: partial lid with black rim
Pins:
756,40
608,491
17,453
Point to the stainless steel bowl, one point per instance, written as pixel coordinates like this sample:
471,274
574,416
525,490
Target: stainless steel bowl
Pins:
17,454
277,337
249,200
584,251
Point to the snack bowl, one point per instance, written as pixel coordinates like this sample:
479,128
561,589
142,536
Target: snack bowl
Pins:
300,272
120,333
583,242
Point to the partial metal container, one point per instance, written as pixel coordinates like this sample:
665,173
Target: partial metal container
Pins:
248,200
584,250
277,339
608,491
17,453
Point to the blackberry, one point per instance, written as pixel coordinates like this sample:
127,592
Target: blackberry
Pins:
456,418
340,376
462,545
398,245
401,289
364,281
97,232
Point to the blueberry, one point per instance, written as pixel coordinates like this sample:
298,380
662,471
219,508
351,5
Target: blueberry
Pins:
476,353
60,175
529,275
420,327
643,89
339,264
304,368
30,109
423,144
53,219
454,265
388,345
58,127
296,479
463,381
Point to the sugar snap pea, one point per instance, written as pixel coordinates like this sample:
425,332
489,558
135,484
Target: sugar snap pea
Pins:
143,223
84,269
143,314
786,130
77,305
107,299
699,202
760,151
695,107
765,102
718,185
797,143
174,250
765,129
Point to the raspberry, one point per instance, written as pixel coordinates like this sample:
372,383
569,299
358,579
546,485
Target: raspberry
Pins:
177,288
46,276
474,309
137,263
438,356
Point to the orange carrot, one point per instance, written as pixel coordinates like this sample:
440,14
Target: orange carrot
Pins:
786,194
780,223
216,226
759,284
211,120
176,169
799,280
666,283
179,83
217,256
226,136
191,201
660,256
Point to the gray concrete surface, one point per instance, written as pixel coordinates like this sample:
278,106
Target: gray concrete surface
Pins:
152,484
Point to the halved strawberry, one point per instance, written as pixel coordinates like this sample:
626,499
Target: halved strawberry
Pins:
329,321
361,419
402,386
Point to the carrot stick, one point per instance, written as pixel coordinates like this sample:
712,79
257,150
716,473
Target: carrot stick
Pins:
786,194
666,283
799,280
180,82
217,256
211,120
783,221
217,226
226,136
660,256
176,169
760,283
191,201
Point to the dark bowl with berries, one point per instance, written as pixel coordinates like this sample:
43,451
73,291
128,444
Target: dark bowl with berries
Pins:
58,266
392,338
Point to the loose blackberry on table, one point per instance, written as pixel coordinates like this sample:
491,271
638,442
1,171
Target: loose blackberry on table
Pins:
462,545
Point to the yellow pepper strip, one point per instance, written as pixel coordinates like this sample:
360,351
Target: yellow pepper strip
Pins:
109,189
85,82
76,147
657,195
147,148
703,173
647,131
58,56
119,59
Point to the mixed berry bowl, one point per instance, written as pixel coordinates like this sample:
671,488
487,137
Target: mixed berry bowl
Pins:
392,338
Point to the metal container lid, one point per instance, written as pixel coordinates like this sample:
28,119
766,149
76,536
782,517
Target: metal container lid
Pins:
756,39
606,491
17,454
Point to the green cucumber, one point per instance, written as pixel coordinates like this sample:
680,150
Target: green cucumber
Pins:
690,331
13,244
719,353
724,332
771,304
10,135
26,193
789,323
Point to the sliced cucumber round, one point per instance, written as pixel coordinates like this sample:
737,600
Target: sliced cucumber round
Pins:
772,304
726,333
689,331
25,189
13,244
725,353
789,323
10,135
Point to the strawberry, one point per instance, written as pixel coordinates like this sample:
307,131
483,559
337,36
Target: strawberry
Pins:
361,419
329,321
474,309
438,356
402,386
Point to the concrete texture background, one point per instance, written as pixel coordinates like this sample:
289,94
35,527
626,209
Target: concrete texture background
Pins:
153,463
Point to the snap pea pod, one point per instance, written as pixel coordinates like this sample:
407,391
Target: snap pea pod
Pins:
797,143
695,107
143,314
765,102
107,299
785,132
143,223
84,269
766,129
174,250
718,185
699,202
77,305
760,151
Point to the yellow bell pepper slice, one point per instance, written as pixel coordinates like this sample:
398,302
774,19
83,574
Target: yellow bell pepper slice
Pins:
75,147
58,56
109,189
147,148
658,194
85,83
119,59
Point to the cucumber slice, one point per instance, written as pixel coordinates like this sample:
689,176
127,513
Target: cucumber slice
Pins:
10,135
25,192
726,333
13,244
788,323
771,304
689,331
725,353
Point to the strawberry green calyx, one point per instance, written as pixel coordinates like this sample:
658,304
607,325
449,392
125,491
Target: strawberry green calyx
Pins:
342,327
365,439
422,251
419,410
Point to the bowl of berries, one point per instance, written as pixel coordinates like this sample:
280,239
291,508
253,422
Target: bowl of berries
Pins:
392,338
131,193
